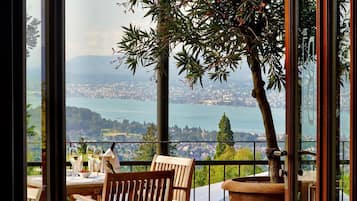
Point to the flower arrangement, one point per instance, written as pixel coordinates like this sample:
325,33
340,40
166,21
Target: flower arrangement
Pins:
84,172
84,169
82,149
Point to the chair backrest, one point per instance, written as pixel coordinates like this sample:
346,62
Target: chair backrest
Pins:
183,173
33,194
140,186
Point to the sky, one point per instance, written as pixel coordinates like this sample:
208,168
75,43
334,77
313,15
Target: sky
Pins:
93,27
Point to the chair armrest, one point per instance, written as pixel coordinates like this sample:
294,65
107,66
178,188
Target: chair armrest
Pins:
82,197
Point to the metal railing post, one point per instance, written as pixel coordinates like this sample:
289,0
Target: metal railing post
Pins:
194,183
224,179
238,170
254,145
209,182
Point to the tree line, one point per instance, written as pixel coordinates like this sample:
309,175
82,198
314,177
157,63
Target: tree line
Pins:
82,122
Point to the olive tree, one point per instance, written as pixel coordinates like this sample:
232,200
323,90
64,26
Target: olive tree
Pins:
214,37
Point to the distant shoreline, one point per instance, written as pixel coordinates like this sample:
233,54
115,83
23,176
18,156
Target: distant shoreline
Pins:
243,119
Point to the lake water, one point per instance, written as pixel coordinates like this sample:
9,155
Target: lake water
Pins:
193,115
245,119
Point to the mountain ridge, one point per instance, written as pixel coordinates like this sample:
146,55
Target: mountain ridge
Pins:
101,69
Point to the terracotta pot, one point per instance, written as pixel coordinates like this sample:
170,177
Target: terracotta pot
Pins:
254,189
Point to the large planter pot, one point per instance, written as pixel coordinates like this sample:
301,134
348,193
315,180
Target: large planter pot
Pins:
254,189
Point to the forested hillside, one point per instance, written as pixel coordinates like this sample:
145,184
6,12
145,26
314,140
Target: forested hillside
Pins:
82,122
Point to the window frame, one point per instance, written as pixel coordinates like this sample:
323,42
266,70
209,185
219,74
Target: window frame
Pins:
326,68
353,103
15,105
53,100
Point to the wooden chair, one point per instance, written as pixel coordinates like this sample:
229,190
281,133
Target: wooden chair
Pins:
183,174
138,186
33,194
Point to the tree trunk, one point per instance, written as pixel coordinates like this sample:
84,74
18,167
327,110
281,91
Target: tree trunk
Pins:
259,94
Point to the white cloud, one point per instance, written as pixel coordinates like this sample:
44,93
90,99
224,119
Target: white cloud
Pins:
94,26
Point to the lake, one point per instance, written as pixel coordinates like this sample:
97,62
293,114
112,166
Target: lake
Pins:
244,119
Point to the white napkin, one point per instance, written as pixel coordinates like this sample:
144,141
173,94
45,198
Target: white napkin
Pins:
112,157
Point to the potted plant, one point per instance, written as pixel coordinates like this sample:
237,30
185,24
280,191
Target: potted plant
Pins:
214,37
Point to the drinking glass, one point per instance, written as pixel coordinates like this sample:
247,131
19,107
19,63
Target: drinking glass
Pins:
90,154
74,159
97,155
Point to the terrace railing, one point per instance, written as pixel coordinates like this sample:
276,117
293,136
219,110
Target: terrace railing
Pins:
257,163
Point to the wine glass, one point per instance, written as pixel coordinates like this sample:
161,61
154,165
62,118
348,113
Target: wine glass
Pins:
97,155
90,154
74,159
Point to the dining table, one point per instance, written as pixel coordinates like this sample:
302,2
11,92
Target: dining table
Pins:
91,185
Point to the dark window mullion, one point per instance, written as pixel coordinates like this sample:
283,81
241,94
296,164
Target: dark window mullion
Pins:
292,109
353,103
13,93
53,89
326,96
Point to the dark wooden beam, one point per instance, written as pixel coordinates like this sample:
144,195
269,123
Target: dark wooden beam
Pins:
326,99
13,104
53,100
163,84
292,98
19,98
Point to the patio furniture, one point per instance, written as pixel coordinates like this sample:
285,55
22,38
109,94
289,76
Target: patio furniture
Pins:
253,188
183,174
93,185
141,186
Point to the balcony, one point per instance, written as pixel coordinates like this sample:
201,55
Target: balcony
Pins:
211,190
